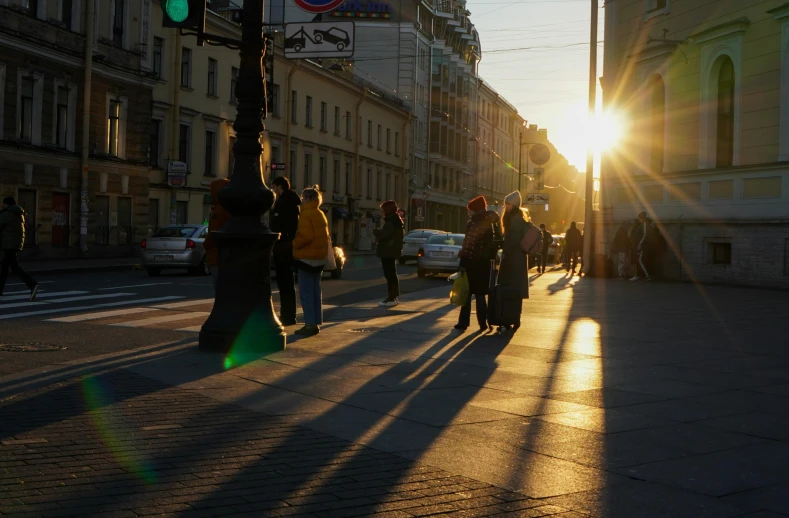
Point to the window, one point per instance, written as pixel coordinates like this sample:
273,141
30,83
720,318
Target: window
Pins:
231,156
113,129
336,176
67,13
388,185
26,109
397,143
62,122
307,169
292,166
210,153
348,178
155,148
348,125
212,71
186,67
725,112
380,136
275,110
378,184
388,140
337,120
369,183
184,144
655,5
181,212
117,23
720,253
233,85
158,56
294,106
369,133
324,117
323,172
308,112
786,256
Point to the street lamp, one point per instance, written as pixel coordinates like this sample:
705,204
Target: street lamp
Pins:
242,321
588,209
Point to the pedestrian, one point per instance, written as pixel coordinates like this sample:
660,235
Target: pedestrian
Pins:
620,248
642,246
480,245
547,241
285,221
216,221
311,249
12,241
514,269
389,249
573,243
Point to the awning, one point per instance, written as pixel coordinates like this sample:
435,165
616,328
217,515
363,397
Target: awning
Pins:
340,213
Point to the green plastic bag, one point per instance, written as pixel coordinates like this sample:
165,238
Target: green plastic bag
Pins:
459,294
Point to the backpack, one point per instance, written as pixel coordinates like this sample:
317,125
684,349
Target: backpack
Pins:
531,242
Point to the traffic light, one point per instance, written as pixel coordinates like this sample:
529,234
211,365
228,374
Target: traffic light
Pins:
183,14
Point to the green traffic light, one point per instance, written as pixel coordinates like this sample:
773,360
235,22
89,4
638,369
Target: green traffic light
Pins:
177,10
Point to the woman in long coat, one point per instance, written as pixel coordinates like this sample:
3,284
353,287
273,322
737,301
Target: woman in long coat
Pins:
514,266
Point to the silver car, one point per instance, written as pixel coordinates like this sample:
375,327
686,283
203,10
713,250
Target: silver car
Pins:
412,242
439,254
177,246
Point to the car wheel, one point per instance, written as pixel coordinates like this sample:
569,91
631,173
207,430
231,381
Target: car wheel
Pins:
402,260
201,269
318,38
297,47
420,273
336,274
341,46
153,272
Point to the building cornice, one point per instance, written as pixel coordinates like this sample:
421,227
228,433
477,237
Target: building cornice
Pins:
723,30
780,13
661,50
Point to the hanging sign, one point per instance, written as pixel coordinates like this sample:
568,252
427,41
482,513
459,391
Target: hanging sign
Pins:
318,6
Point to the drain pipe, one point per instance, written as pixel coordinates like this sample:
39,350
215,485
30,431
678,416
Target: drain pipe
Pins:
288,121
403,148
84,167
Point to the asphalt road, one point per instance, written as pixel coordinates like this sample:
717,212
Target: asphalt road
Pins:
90,314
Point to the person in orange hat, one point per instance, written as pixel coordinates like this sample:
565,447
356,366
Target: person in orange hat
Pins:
216,221
390,246
483,233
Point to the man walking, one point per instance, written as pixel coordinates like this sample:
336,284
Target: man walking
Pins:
644,229
573,245
547,241
285,221
12,240
389,248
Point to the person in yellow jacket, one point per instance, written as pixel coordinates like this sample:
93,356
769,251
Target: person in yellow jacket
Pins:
310,250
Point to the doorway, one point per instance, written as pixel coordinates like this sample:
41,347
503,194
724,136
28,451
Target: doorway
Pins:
102,220
60,219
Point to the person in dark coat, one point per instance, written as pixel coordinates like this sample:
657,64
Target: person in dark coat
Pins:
483,236
637,234
514,269
389,249
12,241
547,241
285,221
573,243
620,248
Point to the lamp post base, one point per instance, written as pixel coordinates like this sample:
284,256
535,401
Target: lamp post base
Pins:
243,323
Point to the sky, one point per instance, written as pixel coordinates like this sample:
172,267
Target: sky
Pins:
535,53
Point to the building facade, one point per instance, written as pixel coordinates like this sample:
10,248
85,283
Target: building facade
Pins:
706,93
46,124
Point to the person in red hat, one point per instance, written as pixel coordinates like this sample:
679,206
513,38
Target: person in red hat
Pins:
483,234
390,246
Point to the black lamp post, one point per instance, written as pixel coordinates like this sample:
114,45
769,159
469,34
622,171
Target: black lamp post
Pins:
242,322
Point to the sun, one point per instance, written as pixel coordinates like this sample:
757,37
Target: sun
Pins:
605,131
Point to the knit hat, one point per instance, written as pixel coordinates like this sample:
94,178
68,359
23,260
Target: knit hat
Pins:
478,203
9,200
514,198
389,207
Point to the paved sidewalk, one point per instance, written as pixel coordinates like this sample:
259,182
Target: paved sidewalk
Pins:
613,399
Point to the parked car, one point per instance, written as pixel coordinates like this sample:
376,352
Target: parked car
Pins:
412,242
176,246
339,258
439,254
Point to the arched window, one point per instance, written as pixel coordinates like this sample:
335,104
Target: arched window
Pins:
725,114
658,125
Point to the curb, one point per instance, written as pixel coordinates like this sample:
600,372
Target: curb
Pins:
84,268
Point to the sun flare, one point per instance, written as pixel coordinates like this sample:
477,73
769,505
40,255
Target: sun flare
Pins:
605,132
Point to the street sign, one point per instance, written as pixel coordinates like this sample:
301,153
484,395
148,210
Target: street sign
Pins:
333,39
537,199
176,180
539,154
539,178
318,6
176,167
420,214
278,167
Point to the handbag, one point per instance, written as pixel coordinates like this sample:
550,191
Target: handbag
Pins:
460,290
331,261
531,240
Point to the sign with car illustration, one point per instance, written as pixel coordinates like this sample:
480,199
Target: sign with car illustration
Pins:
319,40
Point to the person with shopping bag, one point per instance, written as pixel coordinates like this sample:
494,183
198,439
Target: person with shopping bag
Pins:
389,249
310,250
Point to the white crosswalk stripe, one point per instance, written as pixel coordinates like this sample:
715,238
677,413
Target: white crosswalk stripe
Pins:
101,314
74,309
161,320
42,295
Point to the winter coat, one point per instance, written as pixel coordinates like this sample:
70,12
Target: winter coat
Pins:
483,232
547,240
390,237
312,235
513,270
12,228
621,243
217,220
285,215
636,235
573,240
